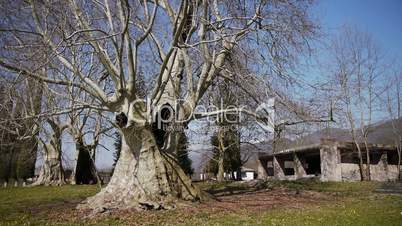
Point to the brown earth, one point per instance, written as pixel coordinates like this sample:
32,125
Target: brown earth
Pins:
225,203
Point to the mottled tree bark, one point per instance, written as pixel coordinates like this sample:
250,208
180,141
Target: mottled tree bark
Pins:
51,172
144,177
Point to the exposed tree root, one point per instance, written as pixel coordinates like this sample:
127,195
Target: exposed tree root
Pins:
51,173
154,181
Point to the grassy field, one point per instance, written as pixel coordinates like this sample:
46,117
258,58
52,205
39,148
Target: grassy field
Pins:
271,203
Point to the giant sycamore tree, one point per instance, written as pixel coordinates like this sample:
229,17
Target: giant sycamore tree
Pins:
181,47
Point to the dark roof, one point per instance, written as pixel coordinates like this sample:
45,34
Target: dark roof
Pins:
325,143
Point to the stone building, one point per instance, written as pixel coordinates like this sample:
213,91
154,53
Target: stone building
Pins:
329,160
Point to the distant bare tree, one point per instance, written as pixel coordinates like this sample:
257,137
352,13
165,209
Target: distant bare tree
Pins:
86,128
394,90
358,66
20,100
52,172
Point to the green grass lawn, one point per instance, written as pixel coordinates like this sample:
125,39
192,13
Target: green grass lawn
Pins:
320,204
23,203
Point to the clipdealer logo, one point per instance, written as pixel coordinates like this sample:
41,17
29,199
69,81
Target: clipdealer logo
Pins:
172,113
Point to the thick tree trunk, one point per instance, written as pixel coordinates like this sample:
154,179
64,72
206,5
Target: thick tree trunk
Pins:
26,159
84,171
17,161
144,177
51,172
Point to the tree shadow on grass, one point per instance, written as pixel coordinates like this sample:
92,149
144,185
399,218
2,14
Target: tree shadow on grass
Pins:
234,189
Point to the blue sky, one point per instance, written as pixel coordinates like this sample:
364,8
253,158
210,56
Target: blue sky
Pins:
382,19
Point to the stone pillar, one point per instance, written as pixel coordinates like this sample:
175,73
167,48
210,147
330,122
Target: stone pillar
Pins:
261,169
298,163
330,169
278,171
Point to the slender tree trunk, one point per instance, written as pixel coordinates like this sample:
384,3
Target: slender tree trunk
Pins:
221,170
399,165
361,166
73,173
353,133
368,168
359,151
94,171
